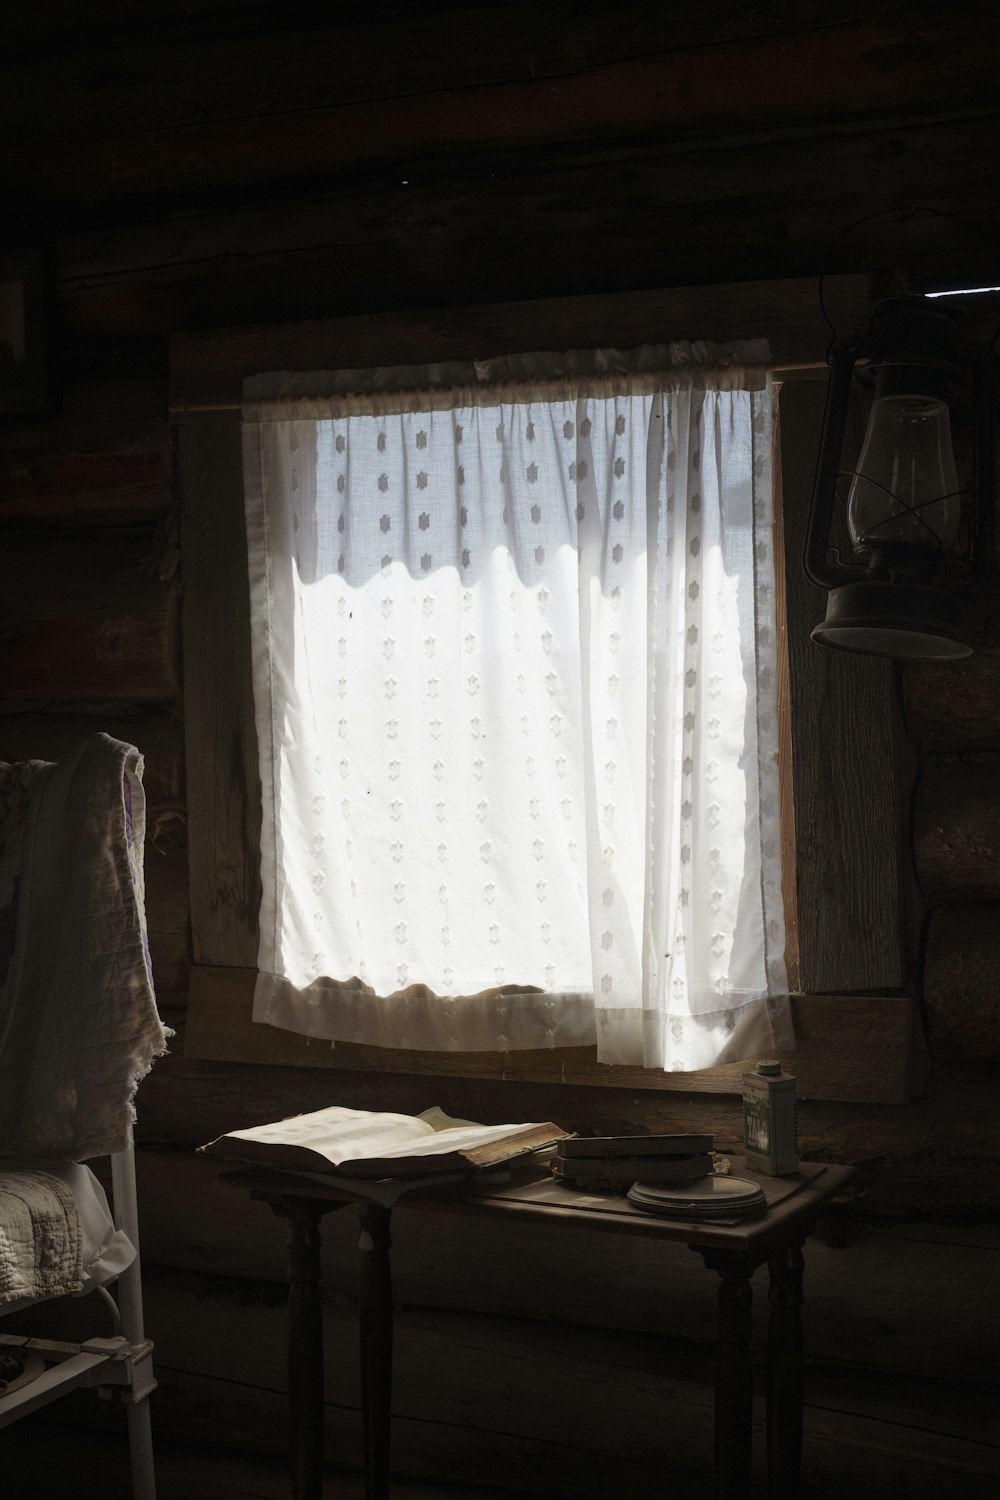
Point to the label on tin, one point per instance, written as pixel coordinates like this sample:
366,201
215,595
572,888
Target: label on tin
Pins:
757,1119
769,1125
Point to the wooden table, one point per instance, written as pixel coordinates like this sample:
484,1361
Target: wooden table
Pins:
734,1250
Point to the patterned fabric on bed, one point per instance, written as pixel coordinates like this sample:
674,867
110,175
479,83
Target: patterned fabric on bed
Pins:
41,1241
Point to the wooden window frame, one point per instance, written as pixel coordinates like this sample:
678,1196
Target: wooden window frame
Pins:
839,774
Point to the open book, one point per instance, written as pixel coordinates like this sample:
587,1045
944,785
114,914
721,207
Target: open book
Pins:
367,1143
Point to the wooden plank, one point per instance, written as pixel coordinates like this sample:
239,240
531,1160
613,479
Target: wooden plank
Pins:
849,1047
86,618
226,1462
497,1391
168,909
86,473
844,773
197,1471
223,784
696,92
786,792
208,368
441,1447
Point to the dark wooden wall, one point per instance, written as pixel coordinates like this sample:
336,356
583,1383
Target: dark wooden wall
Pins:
197,163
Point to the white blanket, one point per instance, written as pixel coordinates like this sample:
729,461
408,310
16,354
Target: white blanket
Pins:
41,1241
78,1021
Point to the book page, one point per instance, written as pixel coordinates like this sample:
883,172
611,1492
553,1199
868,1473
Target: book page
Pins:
343,1134
454,1138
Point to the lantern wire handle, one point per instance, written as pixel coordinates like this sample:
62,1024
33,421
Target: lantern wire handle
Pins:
905,508
898,215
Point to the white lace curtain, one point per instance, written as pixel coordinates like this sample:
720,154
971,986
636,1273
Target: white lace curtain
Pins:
513,639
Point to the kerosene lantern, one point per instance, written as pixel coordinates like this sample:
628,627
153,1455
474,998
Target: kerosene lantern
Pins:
902,495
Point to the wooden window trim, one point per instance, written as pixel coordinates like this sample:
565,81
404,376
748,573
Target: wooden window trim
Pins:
854,1034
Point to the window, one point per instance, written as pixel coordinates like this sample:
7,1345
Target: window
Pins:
851,1045
514,663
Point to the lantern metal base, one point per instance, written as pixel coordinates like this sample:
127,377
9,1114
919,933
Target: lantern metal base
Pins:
903,620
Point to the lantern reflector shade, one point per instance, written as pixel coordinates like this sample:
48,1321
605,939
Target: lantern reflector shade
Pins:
893,619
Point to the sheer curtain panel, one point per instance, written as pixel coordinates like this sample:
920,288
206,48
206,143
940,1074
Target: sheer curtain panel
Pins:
514,670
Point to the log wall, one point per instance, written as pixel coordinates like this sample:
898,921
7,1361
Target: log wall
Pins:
199,163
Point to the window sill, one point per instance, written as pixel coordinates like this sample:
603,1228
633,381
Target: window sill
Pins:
854,1048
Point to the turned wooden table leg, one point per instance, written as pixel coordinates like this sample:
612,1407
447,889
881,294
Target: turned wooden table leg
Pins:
305,1351
784,1376
376,1346
734,1378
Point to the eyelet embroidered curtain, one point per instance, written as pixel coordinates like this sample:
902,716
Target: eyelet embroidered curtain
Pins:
513,650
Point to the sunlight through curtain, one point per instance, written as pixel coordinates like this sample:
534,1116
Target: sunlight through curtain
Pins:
514,671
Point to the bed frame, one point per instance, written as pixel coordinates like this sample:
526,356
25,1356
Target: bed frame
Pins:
119,1367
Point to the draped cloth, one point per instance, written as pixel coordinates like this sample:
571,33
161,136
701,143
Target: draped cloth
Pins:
514,674
78,1021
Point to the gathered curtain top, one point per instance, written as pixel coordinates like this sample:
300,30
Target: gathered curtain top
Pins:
317,395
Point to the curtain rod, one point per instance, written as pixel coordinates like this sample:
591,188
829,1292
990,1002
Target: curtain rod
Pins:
790,367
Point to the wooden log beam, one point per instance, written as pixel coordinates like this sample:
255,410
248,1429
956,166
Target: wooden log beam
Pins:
962,983
108,21
648,217
930,64
91,400
205,67
956,706
956,831
86,618
109,473
188,1101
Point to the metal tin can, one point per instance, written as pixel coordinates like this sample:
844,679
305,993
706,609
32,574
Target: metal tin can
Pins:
770,1136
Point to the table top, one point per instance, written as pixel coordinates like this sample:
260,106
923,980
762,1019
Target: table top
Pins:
532,1195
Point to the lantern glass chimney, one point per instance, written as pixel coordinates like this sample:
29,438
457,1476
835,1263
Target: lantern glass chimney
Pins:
904,494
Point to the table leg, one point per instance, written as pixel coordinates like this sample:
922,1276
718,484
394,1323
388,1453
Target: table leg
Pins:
305,1352
376,1346
734,1378
784,1375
